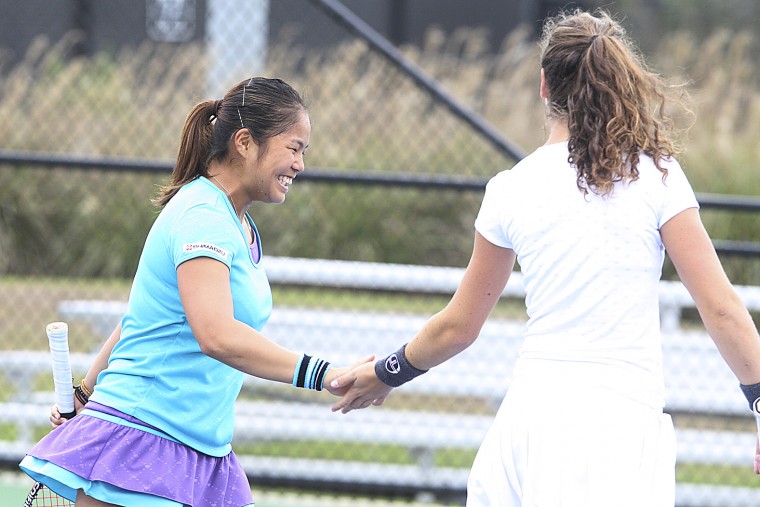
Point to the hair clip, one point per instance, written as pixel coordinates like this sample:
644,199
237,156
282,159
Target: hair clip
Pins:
242,104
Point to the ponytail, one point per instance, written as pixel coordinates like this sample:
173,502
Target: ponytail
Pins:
192,157
614,106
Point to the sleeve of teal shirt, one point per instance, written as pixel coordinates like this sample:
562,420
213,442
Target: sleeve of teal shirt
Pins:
204,231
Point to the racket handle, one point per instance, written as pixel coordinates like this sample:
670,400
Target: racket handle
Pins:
58,338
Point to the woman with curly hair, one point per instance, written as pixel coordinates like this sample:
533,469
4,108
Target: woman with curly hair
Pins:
589,216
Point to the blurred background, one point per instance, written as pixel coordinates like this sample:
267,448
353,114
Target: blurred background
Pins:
414,105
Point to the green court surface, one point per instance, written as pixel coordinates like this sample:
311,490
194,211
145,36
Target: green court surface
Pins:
15,486
13,495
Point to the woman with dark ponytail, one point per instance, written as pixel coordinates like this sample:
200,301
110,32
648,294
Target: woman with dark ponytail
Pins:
156,409
589,216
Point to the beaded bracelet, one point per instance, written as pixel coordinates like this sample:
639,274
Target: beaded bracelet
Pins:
81,395
310,373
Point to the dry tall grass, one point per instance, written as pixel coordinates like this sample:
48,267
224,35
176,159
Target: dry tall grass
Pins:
366,115
720,74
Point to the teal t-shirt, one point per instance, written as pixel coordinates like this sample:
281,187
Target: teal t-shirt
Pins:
157,371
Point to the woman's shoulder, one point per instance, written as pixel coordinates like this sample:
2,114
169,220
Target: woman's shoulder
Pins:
536,165
649,170
198,194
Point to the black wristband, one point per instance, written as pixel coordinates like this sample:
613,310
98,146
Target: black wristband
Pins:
395,369
752,393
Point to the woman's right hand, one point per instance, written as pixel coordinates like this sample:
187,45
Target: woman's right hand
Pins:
362,389
55,414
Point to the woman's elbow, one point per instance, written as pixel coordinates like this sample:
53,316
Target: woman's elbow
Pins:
460,335
210,342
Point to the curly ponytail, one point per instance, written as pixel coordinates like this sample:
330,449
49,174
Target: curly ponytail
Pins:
614,106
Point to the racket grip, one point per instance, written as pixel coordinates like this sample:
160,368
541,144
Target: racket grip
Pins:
58,339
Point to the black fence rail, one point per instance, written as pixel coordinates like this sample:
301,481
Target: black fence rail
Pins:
420,182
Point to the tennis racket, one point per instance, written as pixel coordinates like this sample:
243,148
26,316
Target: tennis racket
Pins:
58,338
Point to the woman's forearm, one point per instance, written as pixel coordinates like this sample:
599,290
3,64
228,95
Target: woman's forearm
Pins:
243,348
101,359
440,339
736,337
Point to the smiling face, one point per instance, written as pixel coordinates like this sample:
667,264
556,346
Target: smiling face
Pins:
272,167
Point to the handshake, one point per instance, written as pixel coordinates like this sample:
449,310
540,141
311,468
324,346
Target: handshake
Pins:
369,382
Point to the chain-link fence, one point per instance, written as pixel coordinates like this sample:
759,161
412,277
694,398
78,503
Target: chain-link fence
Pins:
370,241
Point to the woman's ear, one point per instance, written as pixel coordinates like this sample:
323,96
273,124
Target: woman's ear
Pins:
544,89
242,141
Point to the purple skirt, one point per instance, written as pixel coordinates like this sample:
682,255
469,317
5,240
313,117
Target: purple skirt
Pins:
108,447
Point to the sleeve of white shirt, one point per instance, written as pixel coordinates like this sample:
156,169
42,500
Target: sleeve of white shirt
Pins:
679,195
491,219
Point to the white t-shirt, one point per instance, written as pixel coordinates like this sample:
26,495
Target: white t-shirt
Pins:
590,264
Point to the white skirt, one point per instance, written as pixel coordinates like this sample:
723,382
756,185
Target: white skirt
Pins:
565,437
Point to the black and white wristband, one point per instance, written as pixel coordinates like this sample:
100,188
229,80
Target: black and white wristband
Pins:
310,373
395,369
752,393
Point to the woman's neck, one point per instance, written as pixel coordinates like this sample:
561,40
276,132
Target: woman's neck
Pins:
223,186
558,132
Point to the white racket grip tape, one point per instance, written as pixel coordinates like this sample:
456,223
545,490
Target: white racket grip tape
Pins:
58,338
756,412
